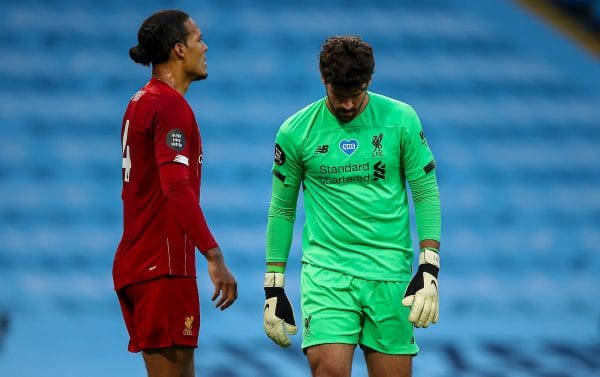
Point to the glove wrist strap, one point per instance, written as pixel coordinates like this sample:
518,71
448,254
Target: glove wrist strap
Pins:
428,256
274,280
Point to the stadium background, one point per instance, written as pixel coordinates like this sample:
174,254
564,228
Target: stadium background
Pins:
511,108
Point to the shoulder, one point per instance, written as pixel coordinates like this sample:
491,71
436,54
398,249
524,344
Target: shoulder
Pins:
166,111
174,102
164,98
171,109
394,112
302,120
388,104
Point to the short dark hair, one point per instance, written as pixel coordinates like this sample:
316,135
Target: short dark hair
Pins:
346,61
157,36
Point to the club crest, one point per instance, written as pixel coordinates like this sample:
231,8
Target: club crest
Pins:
377,147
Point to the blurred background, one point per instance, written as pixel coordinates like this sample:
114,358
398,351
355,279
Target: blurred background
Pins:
508,93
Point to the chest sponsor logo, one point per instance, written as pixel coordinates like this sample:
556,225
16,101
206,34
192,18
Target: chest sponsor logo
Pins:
351,173
176,140
279,155
377,147
349,146
378,171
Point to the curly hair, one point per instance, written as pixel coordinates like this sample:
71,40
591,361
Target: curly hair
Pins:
346,61
157,36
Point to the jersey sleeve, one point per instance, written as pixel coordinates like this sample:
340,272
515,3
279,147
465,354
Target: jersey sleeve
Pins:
287,175
184,205
417,159
287,165
280,225
173,132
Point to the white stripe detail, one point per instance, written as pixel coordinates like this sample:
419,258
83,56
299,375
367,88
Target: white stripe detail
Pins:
125,132
169,253
182,160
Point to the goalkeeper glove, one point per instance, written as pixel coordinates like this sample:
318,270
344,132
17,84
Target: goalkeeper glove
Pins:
422,292
278,315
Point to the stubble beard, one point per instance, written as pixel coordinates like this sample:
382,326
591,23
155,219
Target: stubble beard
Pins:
201,77
345,117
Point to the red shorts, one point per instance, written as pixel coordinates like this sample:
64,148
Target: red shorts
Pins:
162,312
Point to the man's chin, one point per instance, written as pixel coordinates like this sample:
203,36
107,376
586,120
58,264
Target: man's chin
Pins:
345,118
203,76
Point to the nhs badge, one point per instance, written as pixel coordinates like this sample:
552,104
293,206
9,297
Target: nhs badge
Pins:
348,146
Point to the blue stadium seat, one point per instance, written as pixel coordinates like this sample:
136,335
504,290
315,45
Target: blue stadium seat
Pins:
510,109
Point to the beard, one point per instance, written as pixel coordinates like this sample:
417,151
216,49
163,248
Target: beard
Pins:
200,77
345,116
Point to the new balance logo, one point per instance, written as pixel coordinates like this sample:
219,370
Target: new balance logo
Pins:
322,149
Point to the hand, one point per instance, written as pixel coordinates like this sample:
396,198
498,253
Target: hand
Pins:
422,292
278,316
222,279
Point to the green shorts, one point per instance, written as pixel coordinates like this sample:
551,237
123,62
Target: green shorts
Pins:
339,308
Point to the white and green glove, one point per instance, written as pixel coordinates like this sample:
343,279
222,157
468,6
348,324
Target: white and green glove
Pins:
278,316
422,292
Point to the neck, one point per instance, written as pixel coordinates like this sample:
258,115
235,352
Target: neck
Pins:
362,103
166,74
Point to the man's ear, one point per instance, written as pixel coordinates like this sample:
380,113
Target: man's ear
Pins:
179,50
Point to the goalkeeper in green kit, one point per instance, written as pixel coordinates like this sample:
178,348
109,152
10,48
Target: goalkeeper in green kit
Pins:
353,152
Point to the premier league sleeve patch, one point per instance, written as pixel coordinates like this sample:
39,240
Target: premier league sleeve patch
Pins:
279,155
176,140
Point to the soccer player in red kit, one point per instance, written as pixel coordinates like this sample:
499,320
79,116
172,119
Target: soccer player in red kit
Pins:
154,269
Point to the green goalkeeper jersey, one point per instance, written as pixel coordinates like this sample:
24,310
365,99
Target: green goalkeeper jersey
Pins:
354,179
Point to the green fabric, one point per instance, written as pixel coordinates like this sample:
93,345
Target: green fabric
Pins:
426,199
273,268
280,225
354,178
339,308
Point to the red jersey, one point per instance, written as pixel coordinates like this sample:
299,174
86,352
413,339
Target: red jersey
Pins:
162,160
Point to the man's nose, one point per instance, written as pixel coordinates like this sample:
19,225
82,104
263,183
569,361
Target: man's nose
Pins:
347,105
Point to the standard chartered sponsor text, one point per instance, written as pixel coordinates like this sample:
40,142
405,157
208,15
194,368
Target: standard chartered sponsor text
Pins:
328,170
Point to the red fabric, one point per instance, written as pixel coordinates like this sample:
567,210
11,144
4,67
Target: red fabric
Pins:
159,128
190,218
159,313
